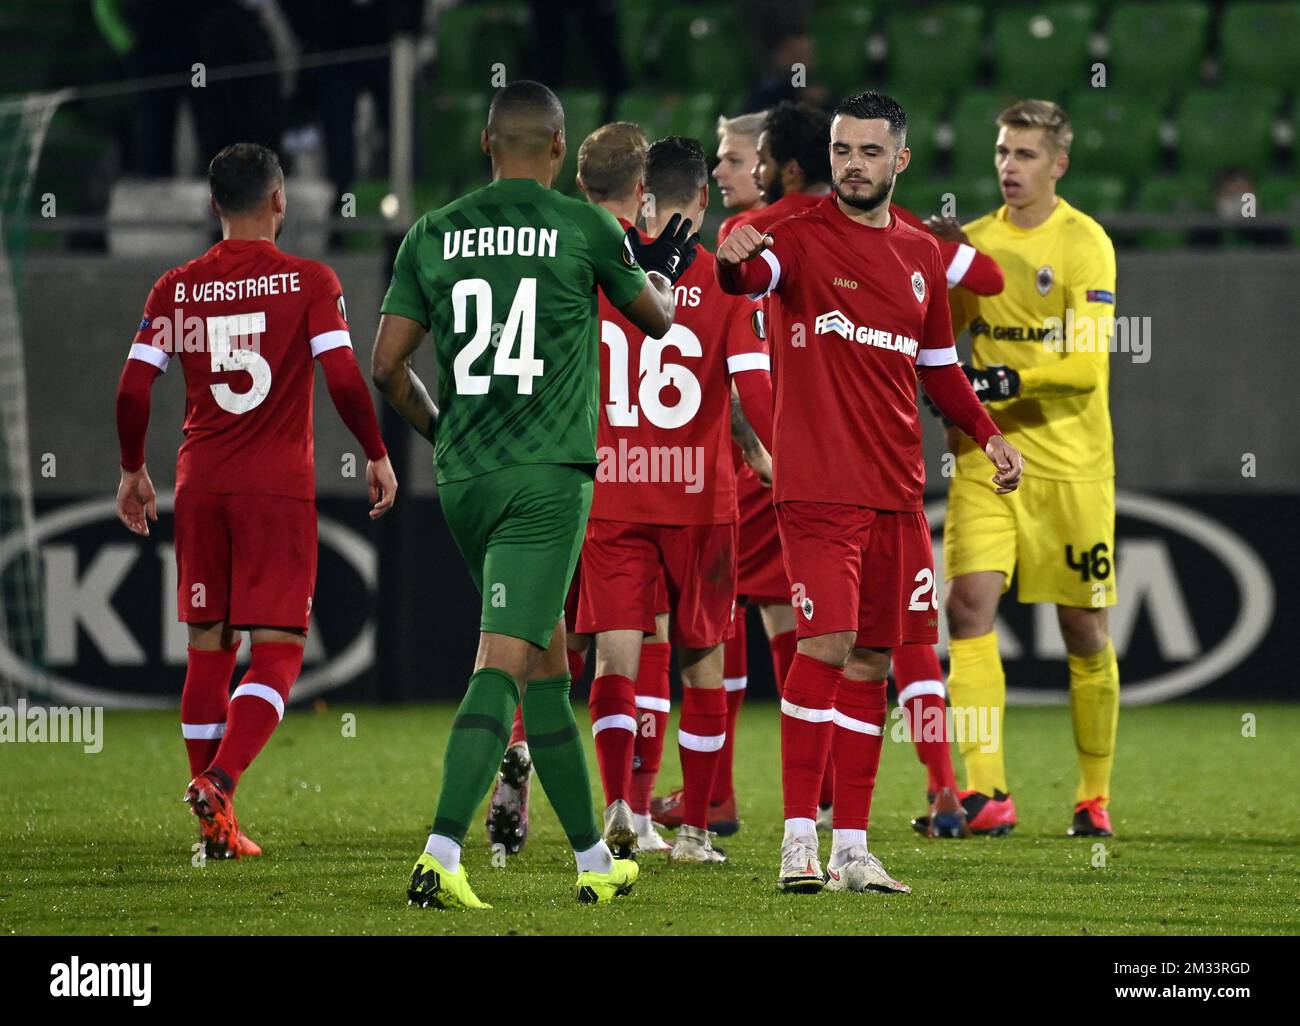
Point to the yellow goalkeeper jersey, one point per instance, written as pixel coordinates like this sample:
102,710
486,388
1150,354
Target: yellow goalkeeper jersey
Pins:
1052,322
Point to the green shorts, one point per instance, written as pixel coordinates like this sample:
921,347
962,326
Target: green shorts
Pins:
520,530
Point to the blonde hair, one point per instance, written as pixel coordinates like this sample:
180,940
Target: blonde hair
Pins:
742,124
1044,114
611,161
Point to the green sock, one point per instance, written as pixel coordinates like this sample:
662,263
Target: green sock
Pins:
557,753
474,750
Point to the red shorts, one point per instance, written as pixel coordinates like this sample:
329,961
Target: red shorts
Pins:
760,571
863,570
627,567
249,560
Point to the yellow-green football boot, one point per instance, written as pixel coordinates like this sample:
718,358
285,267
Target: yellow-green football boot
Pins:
432,885
594,888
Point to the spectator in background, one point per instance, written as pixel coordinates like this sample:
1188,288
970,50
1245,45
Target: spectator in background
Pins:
1234,188
781,37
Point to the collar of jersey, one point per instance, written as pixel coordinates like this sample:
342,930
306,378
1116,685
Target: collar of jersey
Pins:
1059,211
834,205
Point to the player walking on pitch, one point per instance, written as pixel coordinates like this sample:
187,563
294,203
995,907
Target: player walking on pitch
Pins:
245,514
516,264
1049,394
857,312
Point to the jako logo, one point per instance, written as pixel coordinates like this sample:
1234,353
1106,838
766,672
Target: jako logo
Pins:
87,568
1154,597
102,979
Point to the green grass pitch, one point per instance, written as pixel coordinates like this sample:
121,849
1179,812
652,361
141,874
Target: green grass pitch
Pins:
100,844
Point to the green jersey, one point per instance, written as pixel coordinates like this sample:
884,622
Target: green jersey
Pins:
505,278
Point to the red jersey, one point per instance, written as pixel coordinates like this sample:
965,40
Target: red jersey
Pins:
246,321
852,312
764,217
665,408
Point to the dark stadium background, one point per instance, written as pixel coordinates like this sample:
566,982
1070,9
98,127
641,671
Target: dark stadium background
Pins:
376,109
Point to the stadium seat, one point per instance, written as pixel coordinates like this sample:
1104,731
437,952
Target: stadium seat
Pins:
648,108
474,37
705,52
639,29
1279,197
1227,127
934,53
1114,134
974,131
924,116
1182,195
694,115
840,35
965,198
1258,44
1043,50
1095,195
448,127
1155,48
583,112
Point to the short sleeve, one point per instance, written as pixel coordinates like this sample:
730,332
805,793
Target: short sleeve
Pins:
153,338
327,319
405,297
615,267
937,348
746,342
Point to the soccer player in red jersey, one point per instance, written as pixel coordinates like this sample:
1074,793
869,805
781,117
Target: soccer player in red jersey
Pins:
246,321
734,172
857,311
664,502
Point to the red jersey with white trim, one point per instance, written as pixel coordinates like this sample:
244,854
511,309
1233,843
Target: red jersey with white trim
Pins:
764,217
663,439
246,321
852,311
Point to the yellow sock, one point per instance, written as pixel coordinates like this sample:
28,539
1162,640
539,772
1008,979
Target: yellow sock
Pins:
1094,708
977,688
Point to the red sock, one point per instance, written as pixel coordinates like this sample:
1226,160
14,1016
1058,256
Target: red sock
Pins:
577,664
860,708
735,679
807,702
257,705
700,737
204,702
652,706
919,680
827,794
783,650
613,724
517,733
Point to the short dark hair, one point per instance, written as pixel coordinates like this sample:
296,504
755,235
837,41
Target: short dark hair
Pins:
524,115
675,170
871,105
802,133
242,175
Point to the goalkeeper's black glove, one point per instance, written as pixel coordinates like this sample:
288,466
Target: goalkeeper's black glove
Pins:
993,384
670,254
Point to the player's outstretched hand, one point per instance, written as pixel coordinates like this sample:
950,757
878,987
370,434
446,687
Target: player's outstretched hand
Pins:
760,462
669,254
1006,457
947,228
745,243
137,502
383,486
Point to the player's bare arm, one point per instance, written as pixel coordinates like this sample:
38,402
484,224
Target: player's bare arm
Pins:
390,369
652,310
137,502
756,455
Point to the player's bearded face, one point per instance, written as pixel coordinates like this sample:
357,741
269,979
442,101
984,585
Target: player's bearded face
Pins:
864,161
767,176
857,191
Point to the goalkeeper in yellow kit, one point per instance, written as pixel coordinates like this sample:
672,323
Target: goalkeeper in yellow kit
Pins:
1040,358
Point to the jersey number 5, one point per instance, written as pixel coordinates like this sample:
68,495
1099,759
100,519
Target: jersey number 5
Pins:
519,325
655,376
225,357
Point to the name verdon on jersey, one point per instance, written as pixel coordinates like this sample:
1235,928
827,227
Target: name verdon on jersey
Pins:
500,240
835,323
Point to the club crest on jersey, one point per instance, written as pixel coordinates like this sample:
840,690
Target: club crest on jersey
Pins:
1044,279
918,286
806,607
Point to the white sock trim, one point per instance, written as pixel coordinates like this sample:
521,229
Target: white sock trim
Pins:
921,687
203,731
800,827
264,692
701,743
735,683
596,859
662,705
800,712
847,839
621,721
445,850
861,726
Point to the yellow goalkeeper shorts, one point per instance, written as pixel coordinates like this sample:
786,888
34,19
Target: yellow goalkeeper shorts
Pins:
1060,535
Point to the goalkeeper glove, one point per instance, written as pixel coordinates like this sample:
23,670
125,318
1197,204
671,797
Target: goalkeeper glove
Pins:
670,254
993,384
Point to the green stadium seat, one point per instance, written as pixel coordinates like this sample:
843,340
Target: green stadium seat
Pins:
700,50
583,114
695,115
1258,44
1279,197
924,116
1044,50
449,126
1226,127
974,131
1114,134
1095,195
1181,195
1155,48
639,28
840,36
648,108
474,37
935,53
965,198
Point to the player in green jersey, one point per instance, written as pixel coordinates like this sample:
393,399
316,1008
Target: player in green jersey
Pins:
505,279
